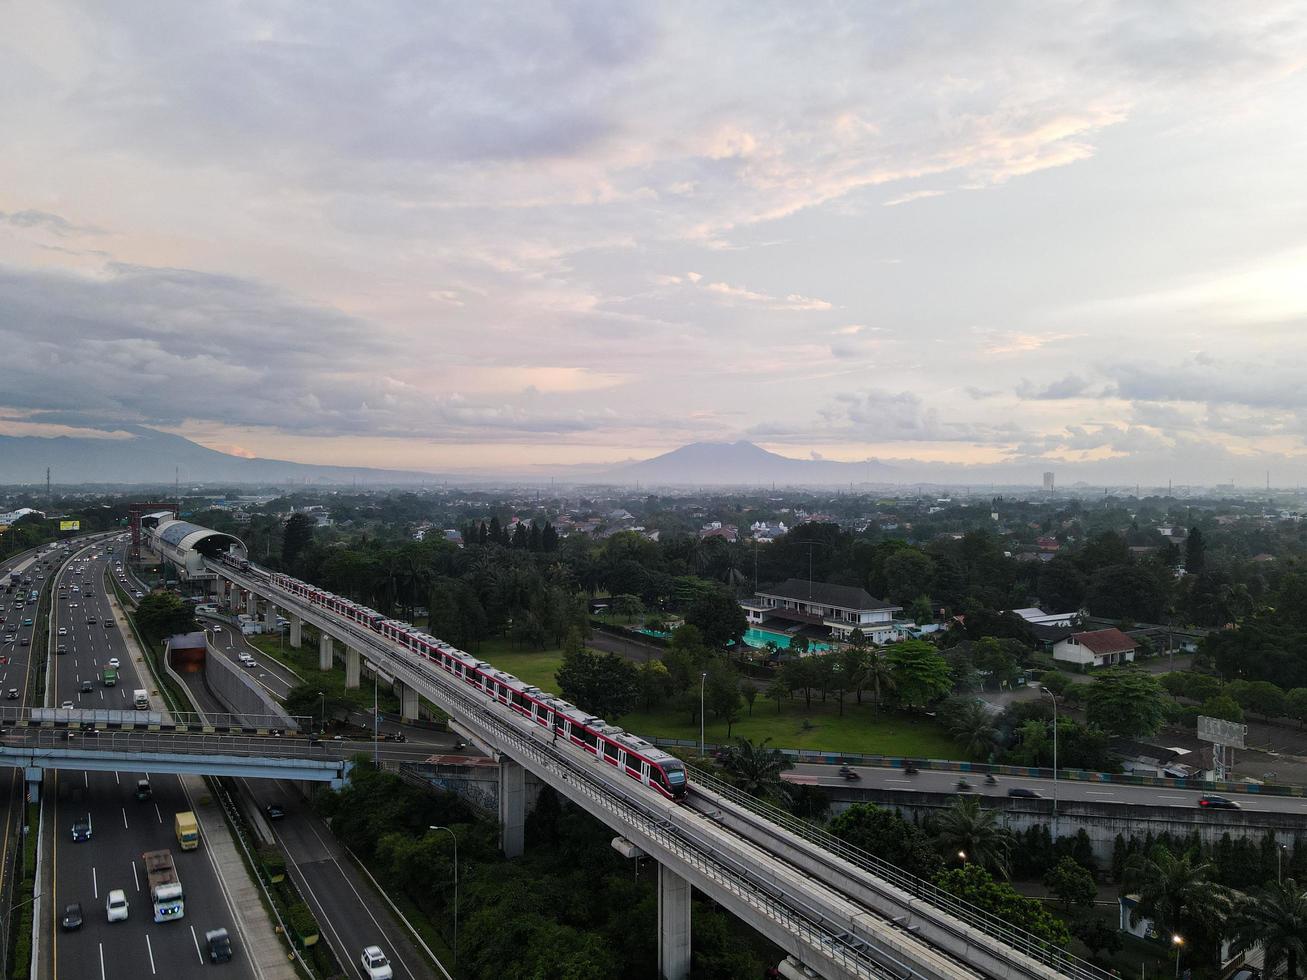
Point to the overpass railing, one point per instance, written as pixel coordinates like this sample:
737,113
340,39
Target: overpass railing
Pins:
150,743
1020,940
129,720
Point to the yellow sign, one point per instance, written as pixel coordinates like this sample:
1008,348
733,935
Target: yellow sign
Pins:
70,525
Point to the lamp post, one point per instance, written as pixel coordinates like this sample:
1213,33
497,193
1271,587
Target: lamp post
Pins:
455,837
1179,951
703,681
1054,699
4,932
323,695
1279,855
376,723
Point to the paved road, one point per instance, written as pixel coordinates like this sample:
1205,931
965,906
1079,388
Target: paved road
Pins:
123,828
351,914
946,782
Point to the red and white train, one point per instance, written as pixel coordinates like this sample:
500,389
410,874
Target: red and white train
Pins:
636,757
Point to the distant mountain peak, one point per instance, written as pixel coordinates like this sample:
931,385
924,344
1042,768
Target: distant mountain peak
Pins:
743,463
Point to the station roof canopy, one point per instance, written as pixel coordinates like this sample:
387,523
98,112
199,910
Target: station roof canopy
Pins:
185,536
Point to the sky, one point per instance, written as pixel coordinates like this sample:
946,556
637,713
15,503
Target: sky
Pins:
449,237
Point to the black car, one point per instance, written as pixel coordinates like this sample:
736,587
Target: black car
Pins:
1022,791
72,917
82,830
219,943
1217,803
86,687
275,811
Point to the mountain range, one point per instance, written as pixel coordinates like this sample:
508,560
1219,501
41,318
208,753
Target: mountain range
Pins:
745,464
144,455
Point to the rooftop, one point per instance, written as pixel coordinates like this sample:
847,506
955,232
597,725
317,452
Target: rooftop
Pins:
824,593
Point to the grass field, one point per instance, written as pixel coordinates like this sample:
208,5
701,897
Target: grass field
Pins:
861,729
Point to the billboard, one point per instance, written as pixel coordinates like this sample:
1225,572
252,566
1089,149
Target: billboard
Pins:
1221,732
70,525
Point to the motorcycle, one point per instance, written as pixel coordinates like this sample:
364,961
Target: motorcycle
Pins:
848,773
990,780
910,769
964,786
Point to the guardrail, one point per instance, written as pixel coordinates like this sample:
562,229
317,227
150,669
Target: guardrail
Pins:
820,757
1020,940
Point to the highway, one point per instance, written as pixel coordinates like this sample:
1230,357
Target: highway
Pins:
931,781
122,827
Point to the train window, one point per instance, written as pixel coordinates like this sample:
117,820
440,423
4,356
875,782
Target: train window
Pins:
676,776
589,737
610,751
657,776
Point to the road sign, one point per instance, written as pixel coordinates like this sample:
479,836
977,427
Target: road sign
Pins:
1221,732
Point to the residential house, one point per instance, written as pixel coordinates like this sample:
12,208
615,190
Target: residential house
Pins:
1035,616
1096,648
827,610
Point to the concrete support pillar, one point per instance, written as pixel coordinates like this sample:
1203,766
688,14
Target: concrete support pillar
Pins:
233,599
251,605
269,618
34,775
352,667
296,631
673,925
326,652
512,807
408,701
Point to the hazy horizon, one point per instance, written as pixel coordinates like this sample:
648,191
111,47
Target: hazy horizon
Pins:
489,239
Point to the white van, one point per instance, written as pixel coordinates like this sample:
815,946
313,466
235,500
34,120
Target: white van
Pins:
116,906
141,699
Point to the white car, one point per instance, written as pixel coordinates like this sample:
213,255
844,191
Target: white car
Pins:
63,630
375,964
113,662
68,705
216,629
116,906
250,662
138,595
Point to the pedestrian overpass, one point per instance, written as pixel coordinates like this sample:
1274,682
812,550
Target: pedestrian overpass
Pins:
37,739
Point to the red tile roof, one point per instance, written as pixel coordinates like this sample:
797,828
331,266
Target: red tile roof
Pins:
1110,640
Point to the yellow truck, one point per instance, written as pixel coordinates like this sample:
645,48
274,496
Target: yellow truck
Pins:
188,831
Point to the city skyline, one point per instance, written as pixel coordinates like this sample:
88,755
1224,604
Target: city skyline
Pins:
575,234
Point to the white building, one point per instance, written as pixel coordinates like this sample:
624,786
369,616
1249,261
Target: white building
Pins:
1096,648
840,609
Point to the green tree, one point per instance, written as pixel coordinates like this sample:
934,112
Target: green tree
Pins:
1222,706
887,835
718,617
1258,697
778,691
1071,883
976,886
605,684
972,727
965,828
1181,897
907,573
1274,917
162,614
756,769
627,606
1097,935
296,539
1295,704
1126,701
920,674
722,694
655,684
1195,552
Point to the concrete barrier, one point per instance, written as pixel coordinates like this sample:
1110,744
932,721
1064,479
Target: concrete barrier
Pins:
240,692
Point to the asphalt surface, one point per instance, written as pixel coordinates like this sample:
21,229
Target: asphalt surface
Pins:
344,903
946,782
122,827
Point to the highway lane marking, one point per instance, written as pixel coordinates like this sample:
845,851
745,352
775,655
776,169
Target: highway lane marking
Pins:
1091,792
101,961
157,813
124,809
95,883
898,780
1163,796
149,948
135,877
197,945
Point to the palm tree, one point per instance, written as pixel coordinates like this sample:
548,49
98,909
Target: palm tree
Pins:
1276,918
1180,896
965,828
876,674
972,728
757,770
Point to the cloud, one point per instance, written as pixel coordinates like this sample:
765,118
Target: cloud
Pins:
739,294
45,221
1070,386
1021,343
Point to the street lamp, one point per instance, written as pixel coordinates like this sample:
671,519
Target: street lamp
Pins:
455,836
323,695
1179,951
962,856
1054,699
1279,855
703,680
